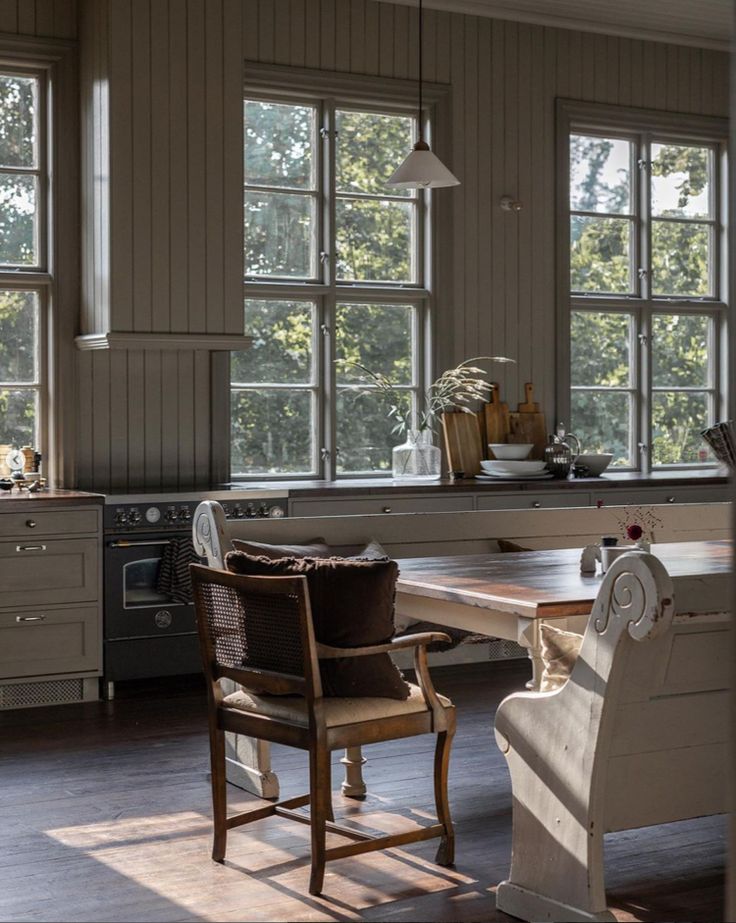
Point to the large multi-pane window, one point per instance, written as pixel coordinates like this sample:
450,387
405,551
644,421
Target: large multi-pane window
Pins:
334,279
645,299
23,261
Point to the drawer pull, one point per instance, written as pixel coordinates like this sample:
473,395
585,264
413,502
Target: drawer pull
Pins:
387,509
536,504
670,499
31,523
30,548
30,618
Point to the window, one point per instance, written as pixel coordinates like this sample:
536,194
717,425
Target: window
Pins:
641,270
23,259
334,275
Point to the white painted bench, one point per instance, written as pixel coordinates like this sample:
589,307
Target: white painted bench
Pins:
636,737
421,535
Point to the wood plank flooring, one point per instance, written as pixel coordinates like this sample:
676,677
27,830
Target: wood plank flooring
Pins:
104,815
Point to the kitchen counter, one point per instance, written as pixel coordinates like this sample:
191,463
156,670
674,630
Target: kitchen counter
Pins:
14,500
354,487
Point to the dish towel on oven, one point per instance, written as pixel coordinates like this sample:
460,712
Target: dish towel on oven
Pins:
173,575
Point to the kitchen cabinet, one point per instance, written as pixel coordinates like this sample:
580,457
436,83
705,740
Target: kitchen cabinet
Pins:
50,598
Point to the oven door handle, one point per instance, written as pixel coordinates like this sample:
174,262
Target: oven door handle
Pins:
125,544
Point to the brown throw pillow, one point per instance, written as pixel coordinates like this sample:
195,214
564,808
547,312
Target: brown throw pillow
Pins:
506,547
316,548
352,606
560,650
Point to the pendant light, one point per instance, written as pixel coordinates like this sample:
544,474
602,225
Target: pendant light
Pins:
422,169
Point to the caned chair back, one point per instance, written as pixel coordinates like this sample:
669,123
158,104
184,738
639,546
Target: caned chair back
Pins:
257,631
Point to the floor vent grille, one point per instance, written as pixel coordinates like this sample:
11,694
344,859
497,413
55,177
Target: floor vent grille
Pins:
47,692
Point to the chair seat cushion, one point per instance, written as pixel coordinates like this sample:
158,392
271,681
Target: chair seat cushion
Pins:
560,651
352,604
338,711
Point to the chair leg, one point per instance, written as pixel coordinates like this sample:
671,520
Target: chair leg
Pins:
330,810
446,851
320,794
219,793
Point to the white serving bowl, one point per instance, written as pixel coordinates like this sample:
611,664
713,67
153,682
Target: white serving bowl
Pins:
513,467
508,451
596,464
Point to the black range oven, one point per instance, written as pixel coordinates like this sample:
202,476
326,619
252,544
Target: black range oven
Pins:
148,630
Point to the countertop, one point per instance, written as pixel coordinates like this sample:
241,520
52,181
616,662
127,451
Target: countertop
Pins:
607,481
13,500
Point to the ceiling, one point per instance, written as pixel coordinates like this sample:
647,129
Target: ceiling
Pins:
703,23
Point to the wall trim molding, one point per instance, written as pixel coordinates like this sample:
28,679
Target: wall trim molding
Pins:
159,341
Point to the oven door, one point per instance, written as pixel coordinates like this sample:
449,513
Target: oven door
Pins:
134,605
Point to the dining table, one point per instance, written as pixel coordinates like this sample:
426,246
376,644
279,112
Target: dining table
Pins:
510,595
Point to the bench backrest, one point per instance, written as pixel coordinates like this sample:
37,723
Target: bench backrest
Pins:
406,535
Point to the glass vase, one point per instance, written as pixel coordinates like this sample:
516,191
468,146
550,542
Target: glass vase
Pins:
417,459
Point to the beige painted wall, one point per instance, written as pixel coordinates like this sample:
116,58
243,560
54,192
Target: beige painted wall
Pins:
174,194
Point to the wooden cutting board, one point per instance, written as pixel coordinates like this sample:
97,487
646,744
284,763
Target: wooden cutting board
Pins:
528,424
496,417
462,442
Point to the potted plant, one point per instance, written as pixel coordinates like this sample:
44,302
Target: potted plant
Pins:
455,389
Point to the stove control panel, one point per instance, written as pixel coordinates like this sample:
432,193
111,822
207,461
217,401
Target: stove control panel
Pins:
153,516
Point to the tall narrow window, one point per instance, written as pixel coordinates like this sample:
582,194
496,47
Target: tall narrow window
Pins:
645,304
23,257
334,279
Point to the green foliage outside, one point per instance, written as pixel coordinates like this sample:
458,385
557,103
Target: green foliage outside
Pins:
18,192
18,336
272,428
601,342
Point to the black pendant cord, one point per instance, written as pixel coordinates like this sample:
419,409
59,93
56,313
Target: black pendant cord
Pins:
421,125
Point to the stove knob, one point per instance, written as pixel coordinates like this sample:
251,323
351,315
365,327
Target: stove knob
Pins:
185,514
238,511
262,510
277,512
134,516
121,518
226,511
250,511
171,515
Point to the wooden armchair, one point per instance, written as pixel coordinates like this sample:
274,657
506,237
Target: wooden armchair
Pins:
257,631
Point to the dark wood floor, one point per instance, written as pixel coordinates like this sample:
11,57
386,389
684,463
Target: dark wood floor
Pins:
104,813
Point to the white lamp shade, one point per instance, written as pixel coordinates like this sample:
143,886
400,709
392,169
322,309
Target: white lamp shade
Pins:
422,170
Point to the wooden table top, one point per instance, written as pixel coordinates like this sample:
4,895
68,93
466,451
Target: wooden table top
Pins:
539,584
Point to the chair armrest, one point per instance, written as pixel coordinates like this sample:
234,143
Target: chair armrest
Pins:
325,652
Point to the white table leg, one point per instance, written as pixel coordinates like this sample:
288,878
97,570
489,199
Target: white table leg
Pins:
528,636
248,761
353,785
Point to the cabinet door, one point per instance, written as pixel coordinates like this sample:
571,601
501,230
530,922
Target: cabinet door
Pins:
42,572
43,642
377,505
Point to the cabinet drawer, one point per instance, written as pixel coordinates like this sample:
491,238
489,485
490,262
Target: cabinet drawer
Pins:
623,497
374,505
51,522
43,642
43,572
528,501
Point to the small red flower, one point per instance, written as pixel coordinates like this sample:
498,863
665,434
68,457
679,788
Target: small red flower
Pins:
634,532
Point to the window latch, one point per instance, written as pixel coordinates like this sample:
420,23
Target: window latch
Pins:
324,453
643,448
325,133
641,272
643,339
643,164
323,256
325,328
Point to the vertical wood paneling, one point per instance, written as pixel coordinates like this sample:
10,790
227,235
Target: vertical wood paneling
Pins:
175,232
142,122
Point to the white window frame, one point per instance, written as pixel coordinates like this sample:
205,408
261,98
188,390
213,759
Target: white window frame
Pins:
347,92
36,278
642,126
